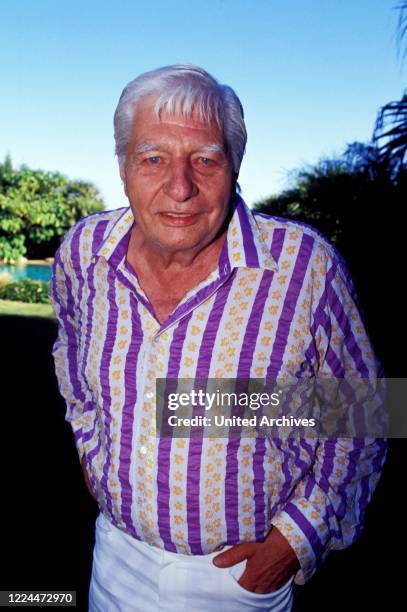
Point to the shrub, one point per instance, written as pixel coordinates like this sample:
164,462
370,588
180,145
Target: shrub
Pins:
31,291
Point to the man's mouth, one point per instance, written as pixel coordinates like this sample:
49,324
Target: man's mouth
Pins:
178,219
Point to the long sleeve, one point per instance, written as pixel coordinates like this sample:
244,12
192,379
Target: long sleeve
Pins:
326,510
80,412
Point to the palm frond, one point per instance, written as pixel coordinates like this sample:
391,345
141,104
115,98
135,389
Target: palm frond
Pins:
390,132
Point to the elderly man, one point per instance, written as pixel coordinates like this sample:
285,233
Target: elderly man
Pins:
189,283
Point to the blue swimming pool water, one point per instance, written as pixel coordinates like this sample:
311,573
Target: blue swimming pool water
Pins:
33,272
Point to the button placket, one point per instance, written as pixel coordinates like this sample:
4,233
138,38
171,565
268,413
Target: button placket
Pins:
140,436
145,439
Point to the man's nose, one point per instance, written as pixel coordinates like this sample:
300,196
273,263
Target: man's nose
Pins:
180,185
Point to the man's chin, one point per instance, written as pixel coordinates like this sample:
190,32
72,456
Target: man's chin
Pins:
174,247
180,238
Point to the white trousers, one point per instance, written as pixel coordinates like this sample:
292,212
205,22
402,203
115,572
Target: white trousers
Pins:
132,576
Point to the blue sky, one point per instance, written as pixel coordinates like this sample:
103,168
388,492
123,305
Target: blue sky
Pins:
311,76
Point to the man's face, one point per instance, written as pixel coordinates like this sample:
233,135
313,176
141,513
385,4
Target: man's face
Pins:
178,180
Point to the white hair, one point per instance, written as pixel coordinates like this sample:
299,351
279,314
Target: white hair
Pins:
183,89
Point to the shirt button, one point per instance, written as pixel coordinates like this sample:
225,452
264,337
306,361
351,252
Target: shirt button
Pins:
149,395
143,450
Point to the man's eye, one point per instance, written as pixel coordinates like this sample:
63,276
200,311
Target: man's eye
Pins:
206,161
154,160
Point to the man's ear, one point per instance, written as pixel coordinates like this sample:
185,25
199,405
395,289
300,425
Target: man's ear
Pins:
123,177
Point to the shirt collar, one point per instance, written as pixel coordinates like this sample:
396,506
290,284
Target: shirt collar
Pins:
114,247
245,245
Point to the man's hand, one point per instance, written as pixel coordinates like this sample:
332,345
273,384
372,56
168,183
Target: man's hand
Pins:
269,565
86,477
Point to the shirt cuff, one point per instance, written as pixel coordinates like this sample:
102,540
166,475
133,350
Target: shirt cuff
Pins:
307,534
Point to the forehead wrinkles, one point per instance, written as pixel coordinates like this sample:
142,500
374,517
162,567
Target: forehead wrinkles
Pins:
172,134
189,123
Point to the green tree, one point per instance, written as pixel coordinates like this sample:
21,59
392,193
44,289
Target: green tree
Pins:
338,193
38,207
358,203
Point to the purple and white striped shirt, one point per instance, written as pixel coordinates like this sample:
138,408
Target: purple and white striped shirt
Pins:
280,303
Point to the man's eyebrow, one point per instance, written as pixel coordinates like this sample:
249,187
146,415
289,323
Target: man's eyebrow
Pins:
144,147
212,148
